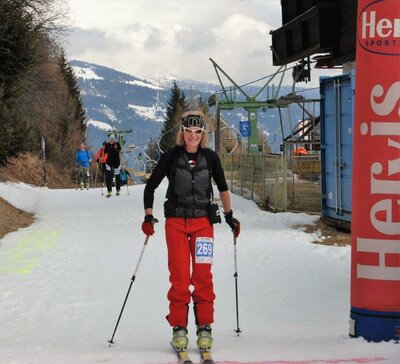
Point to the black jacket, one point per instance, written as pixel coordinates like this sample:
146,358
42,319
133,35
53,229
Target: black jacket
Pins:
113,151
172,165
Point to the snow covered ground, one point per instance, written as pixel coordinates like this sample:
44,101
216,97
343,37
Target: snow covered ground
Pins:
64,278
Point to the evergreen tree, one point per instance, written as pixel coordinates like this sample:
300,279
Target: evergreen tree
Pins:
74,93
200,104
39,95
175,107
18,41
12,138
153,153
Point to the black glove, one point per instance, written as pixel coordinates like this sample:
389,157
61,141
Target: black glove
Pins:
232,222
148,224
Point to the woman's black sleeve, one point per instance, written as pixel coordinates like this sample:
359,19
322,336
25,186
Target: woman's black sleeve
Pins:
154,181
218,173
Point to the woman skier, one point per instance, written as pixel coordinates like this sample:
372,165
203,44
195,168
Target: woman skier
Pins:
189,167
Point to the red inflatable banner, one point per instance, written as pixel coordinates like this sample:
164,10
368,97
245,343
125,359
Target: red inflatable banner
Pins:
375,271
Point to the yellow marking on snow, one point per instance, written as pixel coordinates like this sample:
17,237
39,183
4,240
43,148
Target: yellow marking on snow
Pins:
23,257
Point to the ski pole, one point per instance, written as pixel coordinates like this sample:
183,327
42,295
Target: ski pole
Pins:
76,178
102,177
111,341
91,179
95,176
236,286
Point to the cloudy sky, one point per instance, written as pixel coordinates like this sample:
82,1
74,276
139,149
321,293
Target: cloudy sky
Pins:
158,38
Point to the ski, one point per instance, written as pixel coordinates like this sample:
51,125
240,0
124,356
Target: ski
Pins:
183,356
206,357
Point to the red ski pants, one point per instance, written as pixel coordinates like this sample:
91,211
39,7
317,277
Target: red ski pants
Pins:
185,270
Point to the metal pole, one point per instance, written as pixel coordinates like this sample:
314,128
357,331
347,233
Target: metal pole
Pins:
91,178
111,341
218,128
95,176
236,287
252,176
232,172
103,177
43,144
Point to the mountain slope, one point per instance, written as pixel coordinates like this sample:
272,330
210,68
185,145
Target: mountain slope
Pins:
113,98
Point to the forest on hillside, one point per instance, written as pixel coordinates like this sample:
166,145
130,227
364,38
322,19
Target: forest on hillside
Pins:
39,95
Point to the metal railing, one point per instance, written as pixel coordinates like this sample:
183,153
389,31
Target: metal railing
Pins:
275,182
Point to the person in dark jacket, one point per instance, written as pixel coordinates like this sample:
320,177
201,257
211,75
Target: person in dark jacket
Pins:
113,165
189,167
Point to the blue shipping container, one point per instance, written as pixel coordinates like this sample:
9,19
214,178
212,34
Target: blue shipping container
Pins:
337,120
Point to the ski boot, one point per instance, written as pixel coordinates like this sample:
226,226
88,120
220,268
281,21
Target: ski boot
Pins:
87,186
118,193
82,185
204,337
108,194
179,338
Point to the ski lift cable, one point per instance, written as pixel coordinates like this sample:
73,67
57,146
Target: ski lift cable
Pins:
161,136
146,154
263,78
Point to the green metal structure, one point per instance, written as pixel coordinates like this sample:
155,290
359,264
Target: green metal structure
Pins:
250,103
118,133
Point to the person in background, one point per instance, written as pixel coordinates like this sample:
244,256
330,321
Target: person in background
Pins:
124,175
299,151
83,160
189,232
101,159
113,165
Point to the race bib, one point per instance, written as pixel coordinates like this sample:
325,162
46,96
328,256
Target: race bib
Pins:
204,250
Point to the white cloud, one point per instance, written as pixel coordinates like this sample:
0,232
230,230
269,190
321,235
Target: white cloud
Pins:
151,39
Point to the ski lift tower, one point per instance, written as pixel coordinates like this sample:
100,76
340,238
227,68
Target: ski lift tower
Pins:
118,133
250,104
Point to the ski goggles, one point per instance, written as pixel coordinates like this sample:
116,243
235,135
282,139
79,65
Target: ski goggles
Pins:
193,120
191,131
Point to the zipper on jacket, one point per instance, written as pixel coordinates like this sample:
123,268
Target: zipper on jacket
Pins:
193,198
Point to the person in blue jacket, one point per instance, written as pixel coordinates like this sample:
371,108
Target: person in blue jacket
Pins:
124,175
83,160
